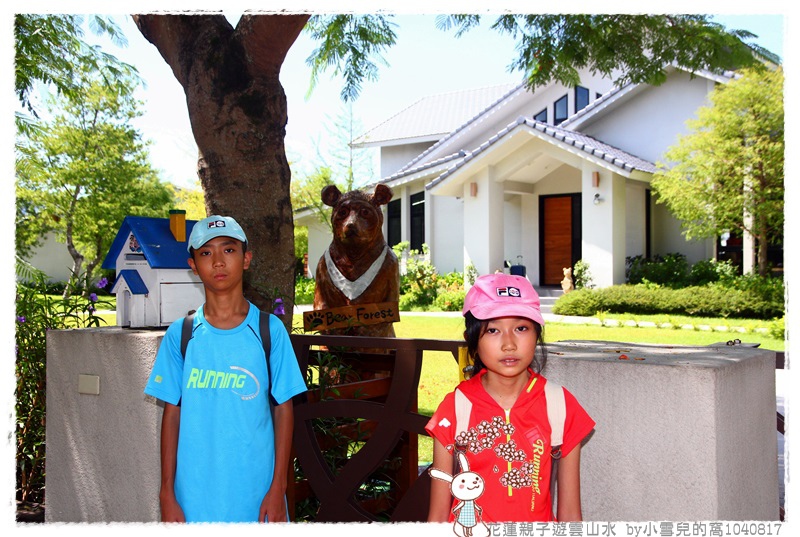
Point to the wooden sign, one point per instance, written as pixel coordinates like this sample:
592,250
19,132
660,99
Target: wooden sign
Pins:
359,315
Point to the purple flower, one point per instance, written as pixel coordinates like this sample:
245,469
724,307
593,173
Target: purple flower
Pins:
93,297
20,319
278,307
102,283
92,309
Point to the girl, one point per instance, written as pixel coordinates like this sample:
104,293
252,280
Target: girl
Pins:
498,418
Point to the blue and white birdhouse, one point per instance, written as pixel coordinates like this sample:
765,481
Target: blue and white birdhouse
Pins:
154,284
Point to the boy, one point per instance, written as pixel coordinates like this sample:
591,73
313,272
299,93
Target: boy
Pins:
222,457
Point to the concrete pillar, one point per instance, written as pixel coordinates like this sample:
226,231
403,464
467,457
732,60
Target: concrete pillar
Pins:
102,450
530,237
683,433
405,214
483,222
603,228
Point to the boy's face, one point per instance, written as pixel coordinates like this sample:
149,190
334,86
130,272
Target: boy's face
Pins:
220,263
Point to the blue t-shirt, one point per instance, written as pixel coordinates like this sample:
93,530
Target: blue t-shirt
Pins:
226,451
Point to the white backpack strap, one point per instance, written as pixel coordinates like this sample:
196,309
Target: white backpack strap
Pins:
556,415
463,410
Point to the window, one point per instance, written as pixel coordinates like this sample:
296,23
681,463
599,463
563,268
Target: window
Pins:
560,110
598,95
417,221
581,98
393,222
541,116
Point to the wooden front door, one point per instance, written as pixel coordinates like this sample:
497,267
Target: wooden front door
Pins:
560,225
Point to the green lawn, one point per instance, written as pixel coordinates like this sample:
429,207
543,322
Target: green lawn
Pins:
440,372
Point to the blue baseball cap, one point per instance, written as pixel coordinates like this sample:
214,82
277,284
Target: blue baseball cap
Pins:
212,227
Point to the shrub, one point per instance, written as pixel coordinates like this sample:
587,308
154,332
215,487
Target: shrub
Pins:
37,312
671,270
581,276
713,300
777,328
304,290
580,302
710,270
450,300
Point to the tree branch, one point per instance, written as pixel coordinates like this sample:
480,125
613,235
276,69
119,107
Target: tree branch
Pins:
266,39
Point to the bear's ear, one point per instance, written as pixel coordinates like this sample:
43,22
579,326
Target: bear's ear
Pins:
330,195
382,195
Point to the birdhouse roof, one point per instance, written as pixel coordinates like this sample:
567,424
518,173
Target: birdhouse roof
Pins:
134,281
155,240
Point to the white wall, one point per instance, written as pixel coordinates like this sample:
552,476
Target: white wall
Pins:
650,121
396,156
667,237
319,238
52,258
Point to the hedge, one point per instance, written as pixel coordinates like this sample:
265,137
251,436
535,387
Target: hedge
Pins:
702,301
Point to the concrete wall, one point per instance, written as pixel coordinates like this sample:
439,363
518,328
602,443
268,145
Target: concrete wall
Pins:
686,433
102,450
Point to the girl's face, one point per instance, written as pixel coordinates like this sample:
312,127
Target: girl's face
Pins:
507,345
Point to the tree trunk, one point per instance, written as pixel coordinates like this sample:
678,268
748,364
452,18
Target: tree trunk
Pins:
237,109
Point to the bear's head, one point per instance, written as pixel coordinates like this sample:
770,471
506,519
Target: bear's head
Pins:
357,218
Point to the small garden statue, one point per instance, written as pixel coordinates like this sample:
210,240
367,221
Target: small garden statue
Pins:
566,283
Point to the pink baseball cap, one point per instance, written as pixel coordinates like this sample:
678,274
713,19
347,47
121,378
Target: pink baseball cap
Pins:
503,295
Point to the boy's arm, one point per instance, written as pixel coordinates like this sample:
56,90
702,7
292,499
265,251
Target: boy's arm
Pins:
273,507
170,425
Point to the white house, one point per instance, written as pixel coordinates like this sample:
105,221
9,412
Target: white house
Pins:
154,284
554,176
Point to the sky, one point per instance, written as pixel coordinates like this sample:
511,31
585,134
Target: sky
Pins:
425,61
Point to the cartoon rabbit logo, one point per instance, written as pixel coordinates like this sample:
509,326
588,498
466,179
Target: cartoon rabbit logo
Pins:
466,487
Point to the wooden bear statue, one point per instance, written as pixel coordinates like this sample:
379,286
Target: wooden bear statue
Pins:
358,267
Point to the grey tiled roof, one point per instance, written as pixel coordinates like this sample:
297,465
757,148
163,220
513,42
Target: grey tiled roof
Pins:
436,115
587,144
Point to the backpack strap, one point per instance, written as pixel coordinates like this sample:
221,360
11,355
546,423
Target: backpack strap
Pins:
556,415
266,343
186,333
463,410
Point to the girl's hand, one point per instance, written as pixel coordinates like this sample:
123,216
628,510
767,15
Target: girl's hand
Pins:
273,507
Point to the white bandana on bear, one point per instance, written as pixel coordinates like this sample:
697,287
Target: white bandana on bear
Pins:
353,289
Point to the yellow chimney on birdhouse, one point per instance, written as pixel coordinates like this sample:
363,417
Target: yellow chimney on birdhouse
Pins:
177,224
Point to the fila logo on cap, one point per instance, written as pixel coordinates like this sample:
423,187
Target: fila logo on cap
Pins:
216,223
508,291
